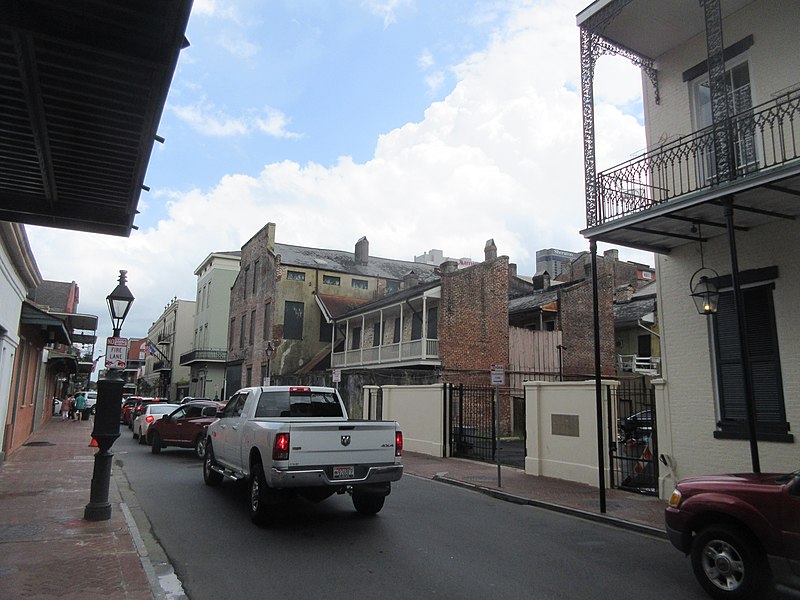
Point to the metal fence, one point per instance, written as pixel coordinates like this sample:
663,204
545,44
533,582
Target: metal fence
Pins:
472,421
634,449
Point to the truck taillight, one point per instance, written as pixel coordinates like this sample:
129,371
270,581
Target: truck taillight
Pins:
280,450
398,443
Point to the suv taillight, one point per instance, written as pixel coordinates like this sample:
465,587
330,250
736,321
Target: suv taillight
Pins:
280,449
398,443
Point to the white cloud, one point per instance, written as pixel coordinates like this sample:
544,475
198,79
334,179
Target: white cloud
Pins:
386,9
238,46
500,157
434,82
426,60
205,118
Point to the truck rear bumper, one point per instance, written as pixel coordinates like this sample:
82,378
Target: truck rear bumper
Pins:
315,477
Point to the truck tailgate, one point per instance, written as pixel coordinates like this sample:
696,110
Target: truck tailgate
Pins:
341,443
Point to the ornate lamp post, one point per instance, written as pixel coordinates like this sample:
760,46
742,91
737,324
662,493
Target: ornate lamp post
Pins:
109,399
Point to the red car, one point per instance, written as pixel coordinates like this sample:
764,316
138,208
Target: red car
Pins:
742,532
184,427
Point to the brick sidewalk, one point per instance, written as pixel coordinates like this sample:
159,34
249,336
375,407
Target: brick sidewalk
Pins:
47,550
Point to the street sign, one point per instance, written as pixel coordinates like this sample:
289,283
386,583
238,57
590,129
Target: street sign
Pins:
116,353
497,374
337,375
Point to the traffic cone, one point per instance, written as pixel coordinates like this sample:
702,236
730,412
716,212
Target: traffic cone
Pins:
94,444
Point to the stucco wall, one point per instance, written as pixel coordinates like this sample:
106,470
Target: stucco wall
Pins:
570,457
419,411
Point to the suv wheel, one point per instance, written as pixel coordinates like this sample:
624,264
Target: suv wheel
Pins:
728,563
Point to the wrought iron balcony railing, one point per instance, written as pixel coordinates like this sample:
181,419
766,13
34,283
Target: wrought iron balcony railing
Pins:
758,139
164,337
162,365
203,355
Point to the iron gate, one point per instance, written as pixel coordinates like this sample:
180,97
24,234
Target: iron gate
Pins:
472,421
634,453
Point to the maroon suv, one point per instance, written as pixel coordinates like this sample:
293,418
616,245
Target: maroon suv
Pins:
742,531
184,427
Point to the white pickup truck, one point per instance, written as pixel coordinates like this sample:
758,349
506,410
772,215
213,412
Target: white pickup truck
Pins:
299,440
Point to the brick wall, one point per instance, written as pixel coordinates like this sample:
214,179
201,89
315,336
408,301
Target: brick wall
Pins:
259,261
577,326
473,321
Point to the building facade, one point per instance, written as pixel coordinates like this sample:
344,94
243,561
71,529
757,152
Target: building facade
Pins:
168,337
278,297
715,196
208,355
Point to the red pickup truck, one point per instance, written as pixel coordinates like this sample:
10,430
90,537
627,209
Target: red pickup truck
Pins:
742,532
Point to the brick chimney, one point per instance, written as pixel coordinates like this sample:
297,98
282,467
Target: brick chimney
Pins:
410,280
490,250
611,254
362,251
512,269
449,266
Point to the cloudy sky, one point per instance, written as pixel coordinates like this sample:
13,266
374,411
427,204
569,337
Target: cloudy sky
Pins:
418,123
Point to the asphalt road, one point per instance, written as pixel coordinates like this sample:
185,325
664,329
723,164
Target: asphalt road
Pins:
431,540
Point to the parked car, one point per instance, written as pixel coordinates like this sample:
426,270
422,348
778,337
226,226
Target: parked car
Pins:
184,427
126,409
741,531
151,412
186,399
139,407
638,426
91,400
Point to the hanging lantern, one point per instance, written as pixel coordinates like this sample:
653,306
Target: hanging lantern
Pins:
704,290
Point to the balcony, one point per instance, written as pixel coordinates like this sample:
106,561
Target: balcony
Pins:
164,337
204,355
636,200
162,365
390,355
758,139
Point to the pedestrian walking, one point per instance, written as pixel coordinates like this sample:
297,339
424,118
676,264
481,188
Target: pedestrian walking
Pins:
80,405
65,407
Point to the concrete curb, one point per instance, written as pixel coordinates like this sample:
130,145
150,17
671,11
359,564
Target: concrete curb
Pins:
567,510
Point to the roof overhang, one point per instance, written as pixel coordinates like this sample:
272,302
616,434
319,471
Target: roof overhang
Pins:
52,326
79,322
650,27
82,88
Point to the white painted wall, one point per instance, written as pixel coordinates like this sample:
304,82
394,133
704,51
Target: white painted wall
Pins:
560,456
687,402
773,24
419,410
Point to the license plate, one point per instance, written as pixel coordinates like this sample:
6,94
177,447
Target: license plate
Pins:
343,472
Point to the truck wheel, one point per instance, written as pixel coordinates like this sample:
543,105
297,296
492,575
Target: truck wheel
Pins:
210,476
155,443
368,504
200,446
261,512
728,563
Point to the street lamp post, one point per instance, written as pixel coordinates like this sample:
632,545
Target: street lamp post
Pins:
106,420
